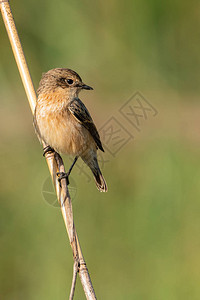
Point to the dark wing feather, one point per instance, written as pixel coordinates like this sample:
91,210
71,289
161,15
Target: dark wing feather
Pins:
80,112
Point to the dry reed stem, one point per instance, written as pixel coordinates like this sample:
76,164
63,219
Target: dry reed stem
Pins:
54,160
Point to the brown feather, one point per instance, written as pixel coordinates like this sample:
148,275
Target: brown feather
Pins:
80,112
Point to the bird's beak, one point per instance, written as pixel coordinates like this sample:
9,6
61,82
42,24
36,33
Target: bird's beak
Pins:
85,86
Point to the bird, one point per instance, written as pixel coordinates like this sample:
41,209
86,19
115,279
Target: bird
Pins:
63,122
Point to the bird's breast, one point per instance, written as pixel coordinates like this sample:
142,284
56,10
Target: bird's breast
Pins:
59,129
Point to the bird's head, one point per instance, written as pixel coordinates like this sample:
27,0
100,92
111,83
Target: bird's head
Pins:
61,79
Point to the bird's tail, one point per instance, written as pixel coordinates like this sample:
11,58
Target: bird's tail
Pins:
100,181
90,158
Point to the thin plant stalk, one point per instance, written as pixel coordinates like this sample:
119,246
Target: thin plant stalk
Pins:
54,160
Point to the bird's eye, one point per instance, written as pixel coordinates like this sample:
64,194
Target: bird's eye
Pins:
70,81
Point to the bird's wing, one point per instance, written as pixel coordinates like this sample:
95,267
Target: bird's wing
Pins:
81,114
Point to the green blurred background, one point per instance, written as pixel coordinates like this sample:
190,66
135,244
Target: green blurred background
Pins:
141,240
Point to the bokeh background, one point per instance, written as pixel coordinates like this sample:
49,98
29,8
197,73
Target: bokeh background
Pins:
141,240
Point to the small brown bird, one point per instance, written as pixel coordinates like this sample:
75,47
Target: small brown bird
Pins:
63,122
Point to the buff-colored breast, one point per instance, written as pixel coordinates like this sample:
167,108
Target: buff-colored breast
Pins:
59,128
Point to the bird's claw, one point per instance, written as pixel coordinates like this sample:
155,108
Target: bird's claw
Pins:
48,149
62,175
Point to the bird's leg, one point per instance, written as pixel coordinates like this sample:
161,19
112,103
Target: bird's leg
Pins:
62,175
47,149
70,169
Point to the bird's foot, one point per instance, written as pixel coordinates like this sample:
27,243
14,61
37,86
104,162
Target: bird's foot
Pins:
48,149
62,175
